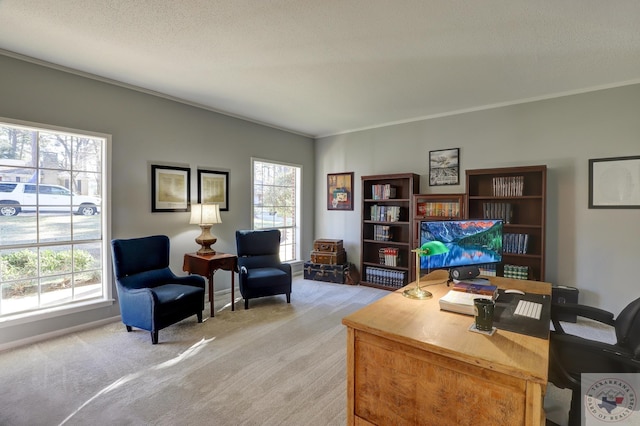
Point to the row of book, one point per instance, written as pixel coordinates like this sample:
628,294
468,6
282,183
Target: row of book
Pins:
385,213
515,243
382,233
502,211
508,186
389,256
383,192
385,277
517,272
488,270
450,209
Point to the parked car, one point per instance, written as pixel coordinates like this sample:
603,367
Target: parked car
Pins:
16,197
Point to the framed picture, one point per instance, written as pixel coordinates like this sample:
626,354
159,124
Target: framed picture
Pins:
170,188
340,191
614,183
444,167
213,187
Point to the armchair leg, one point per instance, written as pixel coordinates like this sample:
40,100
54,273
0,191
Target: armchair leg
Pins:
154,337
288,297
199,315
246,303
128,328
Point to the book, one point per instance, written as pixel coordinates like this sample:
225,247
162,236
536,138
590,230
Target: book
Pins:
460,302
484,289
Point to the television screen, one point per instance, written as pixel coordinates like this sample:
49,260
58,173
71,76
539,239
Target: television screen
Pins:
469,242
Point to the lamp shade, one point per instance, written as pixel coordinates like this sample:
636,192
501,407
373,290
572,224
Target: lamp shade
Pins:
432,247
205,214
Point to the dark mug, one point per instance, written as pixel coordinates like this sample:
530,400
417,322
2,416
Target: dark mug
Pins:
484,313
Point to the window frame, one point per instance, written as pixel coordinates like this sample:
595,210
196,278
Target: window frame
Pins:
297,226
107,298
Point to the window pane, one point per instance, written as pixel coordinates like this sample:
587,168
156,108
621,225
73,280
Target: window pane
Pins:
54,227
18,230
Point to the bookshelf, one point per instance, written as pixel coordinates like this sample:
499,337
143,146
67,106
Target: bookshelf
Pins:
387,217
518,195
433,207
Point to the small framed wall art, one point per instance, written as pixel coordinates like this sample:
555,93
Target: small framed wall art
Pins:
340,191
170,188
444,167
614,183
213,187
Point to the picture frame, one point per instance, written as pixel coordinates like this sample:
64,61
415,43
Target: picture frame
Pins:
340,191
614,183
213,187
170,188
444,167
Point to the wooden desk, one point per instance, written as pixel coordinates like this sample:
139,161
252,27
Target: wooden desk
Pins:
207,265
408,363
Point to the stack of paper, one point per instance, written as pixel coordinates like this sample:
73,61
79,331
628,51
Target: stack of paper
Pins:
460,302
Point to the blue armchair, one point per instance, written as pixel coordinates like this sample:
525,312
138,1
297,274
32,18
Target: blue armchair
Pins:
152,297
260,270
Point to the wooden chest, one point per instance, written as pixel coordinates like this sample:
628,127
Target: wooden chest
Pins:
329,257
327,273
328,245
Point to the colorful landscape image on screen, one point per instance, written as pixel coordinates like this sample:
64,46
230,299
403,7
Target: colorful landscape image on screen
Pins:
470,242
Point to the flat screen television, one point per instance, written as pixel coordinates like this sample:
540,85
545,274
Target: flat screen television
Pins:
470,242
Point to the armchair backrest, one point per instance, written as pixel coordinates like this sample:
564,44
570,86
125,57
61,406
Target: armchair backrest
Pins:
628,328
258,248
137,255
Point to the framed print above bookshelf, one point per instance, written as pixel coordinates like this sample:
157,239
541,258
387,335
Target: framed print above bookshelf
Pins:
444,167
614,183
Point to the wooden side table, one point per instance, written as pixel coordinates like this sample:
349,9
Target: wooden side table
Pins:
207,265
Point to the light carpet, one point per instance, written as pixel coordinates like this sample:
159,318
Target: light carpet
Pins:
274,364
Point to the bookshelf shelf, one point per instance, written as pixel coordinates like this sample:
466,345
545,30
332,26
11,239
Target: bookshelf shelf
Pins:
517,195
379,234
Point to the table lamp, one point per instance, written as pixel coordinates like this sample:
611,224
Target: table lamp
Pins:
427,249
205,215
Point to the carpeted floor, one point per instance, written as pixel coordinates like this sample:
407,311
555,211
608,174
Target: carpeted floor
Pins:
274,364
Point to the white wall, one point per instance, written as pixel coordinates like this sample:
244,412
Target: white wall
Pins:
147,129
563,133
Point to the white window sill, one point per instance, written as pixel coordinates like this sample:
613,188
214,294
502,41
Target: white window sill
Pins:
58,311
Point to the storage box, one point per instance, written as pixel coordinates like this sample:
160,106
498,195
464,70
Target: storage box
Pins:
328,257
563,294
327,273
328,245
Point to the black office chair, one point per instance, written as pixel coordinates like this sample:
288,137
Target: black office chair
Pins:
572,355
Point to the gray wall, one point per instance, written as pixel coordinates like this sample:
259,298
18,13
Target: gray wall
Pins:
563,133
147,129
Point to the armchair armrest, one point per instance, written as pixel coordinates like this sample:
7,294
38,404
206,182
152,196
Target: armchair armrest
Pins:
192,280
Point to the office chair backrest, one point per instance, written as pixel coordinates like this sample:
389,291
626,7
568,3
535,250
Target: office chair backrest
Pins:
137,255
628,328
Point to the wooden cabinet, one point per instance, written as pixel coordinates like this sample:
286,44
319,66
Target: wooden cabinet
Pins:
519,196
433,207
386,234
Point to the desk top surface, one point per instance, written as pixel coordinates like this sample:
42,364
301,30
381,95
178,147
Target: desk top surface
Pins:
421,324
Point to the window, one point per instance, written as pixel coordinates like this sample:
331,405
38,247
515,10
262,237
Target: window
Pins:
276,203
52,222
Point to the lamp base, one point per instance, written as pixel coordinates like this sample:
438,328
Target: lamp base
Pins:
417,293
206,240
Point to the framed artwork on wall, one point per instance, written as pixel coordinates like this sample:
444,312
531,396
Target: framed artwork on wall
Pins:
614,183
340,191
170,188
444,167
213,187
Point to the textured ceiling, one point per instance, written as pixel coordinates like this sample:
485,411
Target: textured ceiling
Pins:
321,67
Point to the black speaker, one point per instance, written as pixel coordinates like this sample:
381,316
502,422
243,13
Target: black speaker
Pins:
464,273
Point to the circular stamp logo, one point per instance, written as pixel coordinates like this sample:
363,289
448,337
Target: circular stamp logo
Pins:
610,400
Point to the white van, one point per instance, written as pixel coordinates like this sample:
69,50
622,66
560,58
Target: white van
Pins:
16,197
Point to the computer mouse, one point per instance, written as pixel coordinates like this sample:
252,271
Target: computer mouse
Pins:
514,291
